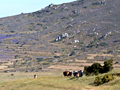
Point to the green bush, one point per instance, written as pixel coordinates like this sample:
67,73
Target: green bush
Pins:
72,53
12,31
69,43
45,63
103,79
87,70
107,78
56,56
108,65
16,56
39,59
98,80
96,68
103,44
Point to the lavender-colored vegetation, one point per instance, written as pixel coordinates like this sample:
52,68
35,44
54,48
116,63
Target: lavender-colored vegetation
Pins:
3,36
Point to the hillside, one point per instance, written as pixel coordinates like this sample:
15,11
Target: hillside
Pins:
92,28
25,81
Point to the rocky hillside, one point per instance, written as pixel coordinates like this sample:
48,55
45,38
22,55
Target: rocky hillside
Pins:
91,26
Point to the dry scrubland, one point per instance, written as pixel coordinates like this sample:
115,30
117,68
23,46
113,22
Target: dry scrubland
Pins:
29,35
53,81
53,64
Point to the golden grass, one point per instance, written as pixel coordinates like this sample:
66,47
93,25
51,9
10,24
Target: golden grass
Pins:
3,67
79,64
91,56
38,53
65,67
81,61
53,81
118,55
45,83
4,77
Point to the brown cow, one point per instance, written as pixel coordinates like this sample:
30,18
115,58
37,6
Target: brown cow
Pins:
66,73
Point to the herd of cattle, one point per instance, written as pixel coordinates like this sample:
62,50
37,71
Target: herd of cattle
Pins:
74,73
67,73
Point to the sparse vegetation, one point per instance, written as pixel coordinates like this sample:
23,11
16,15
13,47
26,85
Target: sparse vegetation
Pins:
34,34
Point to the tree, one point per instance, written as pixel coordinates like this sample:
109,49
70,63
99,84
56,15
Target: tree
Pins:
96,68
108,65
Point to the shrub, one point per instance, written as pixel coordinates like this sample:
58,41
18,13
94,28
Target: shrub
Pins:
108,65
96,68
87,70
45,63
12,31
98,80
107,78
69,43
16,56
39,59
103,44
72,53
56,56
65,18
98,3
103,79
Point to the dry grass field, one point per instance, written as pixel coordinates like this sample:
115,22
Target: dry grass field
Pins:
92,56
53,81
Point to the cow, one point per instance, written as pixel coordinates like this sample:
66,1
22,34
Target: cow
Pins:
35,76
12,74
76,73
80,73
70,73
67,73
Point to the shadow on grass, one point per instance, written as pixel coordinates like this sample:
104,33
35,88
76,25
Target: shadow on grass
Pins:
73,78
76,79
